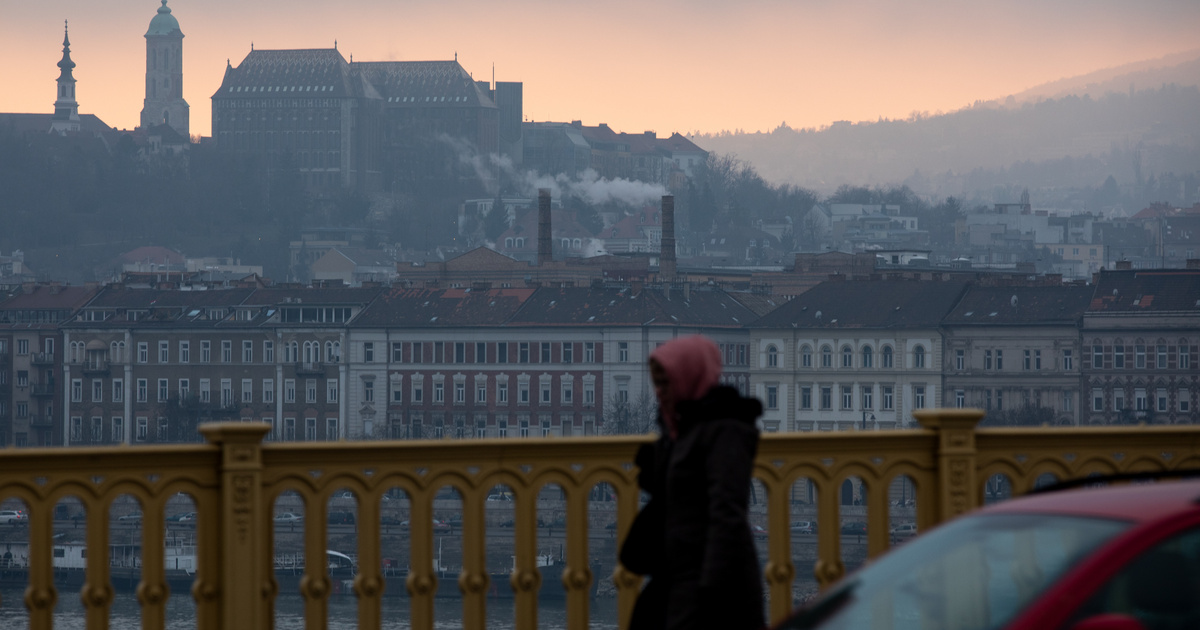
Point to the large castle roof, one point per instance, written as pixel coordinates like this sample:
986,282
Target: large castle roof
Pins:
423,83
301,73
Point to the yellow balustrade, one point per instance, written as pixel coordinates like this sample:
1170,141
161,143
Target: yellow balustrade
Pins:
235,479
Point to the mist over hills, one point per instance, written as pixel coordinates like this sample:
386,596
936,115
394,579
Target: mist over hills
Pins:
1135,123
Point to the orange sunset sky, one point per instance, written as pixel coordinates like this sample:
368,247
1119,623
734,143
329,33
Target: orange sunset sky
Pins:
670,65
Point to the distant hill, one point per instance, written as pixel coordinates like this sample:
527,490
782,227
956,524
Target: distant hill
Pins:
1070,133
1180,69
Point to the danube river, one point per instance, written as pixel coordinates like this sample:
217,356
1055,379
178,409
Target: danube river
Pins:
69,614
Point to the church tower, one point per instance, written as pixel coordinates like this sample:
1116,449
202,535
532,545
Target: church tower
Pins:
164,74
66,109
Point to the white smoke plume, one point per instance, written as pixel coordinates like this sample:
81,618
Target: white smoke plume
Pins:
589,186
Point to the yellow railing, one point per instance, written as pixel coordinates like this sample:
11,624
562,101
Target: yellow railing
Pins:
234,480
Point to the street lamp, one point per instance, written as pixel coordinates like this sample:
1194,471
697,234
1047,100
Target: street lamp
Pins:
864,422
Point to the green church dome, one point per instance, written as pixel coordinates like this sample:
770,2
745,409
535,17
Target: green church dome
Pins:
164,23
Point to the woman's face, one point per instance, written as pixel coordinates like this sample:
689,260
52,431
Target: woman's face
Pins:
662,384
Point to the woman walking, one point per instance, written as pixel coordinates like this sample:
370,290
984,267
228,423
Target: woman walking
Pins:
708,574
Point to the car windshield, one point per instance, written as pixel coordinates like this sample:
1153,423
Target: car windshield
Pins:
975,573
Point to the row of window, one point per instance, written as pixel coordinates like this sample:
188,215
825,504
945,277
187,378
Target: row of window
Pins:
1141,400
1141,357
1031,360
993,400
183,391
484,352
825,400
116,429
866,358
313,352
480,391
479,425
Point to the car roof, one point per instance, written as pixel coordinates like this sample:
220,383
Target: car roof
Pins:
1136,502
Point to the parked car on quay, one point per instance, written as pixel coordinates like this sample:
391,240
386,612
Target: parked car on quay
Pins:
341,517
135,517
903,531
854,528
13,517
288,517
1119,558
804,527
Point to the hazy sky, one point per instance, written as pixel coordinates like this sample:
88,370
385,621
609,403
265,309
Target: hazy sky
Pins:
662,65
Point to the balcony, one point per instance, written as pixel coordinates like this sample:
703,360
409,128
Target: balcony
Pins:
94,368
310,368
42,390
235,479
41,421
41,358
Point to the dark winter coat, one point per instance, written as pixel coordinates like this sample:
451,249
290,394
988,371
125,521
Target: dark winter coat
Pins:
644,549
711,560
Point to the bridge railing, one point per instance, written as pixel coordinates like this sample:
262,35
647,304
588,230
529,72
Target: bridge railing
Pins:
234,480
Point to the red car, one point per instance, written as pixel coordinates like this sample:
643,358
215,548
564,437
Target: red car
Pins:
1113,558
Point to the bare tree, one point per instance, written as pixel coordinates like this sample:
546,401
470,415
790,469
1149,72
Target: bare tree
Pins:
630,417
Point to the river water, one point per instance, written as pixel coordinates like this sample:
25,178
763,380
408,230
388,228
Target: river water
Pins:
289,615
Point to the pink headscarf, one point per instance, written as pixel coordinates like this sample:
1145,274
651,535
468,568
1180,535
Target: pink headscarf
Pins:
693,366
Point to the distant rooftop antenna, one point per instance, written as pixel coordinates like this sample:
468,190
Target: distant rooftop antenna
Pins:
335,44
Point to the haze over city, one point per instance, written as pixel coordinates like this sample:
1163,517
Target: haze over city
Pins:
663,66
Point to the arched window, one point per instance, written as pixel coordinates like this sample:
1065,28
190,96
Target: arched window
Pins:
887,357
337,352
292,352
508,242
847,356
312,351
826,356
806,356
772,356
868,357
329,356
566,244
577,243
919,357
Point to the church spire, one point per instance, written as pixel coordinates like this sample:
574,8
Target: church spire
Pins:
66,65
66,109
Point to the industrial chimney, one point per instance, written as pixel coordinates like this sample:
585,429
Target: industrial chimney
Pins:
545,241
666,254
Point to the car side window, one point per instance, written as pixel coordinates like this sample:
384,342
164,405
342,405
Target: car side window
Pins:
1160,588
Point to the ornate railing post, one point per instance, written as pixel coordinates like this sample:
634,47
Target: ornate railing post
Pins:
243,570
956,487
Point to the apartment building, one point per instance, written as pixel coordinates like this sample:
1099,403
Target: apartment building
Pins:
149,365
521,362
30,360
1141,339
1016,352
852,354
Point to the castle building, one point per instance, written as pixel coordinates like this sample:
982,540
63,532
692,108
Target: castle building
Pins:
164,102
406,125
302,110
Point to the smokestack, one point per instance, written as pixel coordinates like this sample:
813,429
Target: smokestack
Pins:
666,254
545,241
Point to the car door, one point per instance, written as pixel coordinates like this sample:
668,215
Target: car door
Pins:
1159,587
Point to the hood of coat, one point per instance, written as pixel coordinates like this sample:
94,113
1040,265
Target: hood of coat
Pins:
693,366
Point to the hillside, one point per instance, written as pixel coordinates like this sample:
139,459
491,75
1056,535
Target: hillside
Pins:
1067,141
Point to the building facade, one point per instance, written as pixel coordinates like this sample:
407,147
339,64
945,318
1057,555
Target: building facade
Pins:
1016,352
1141,336
852,354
